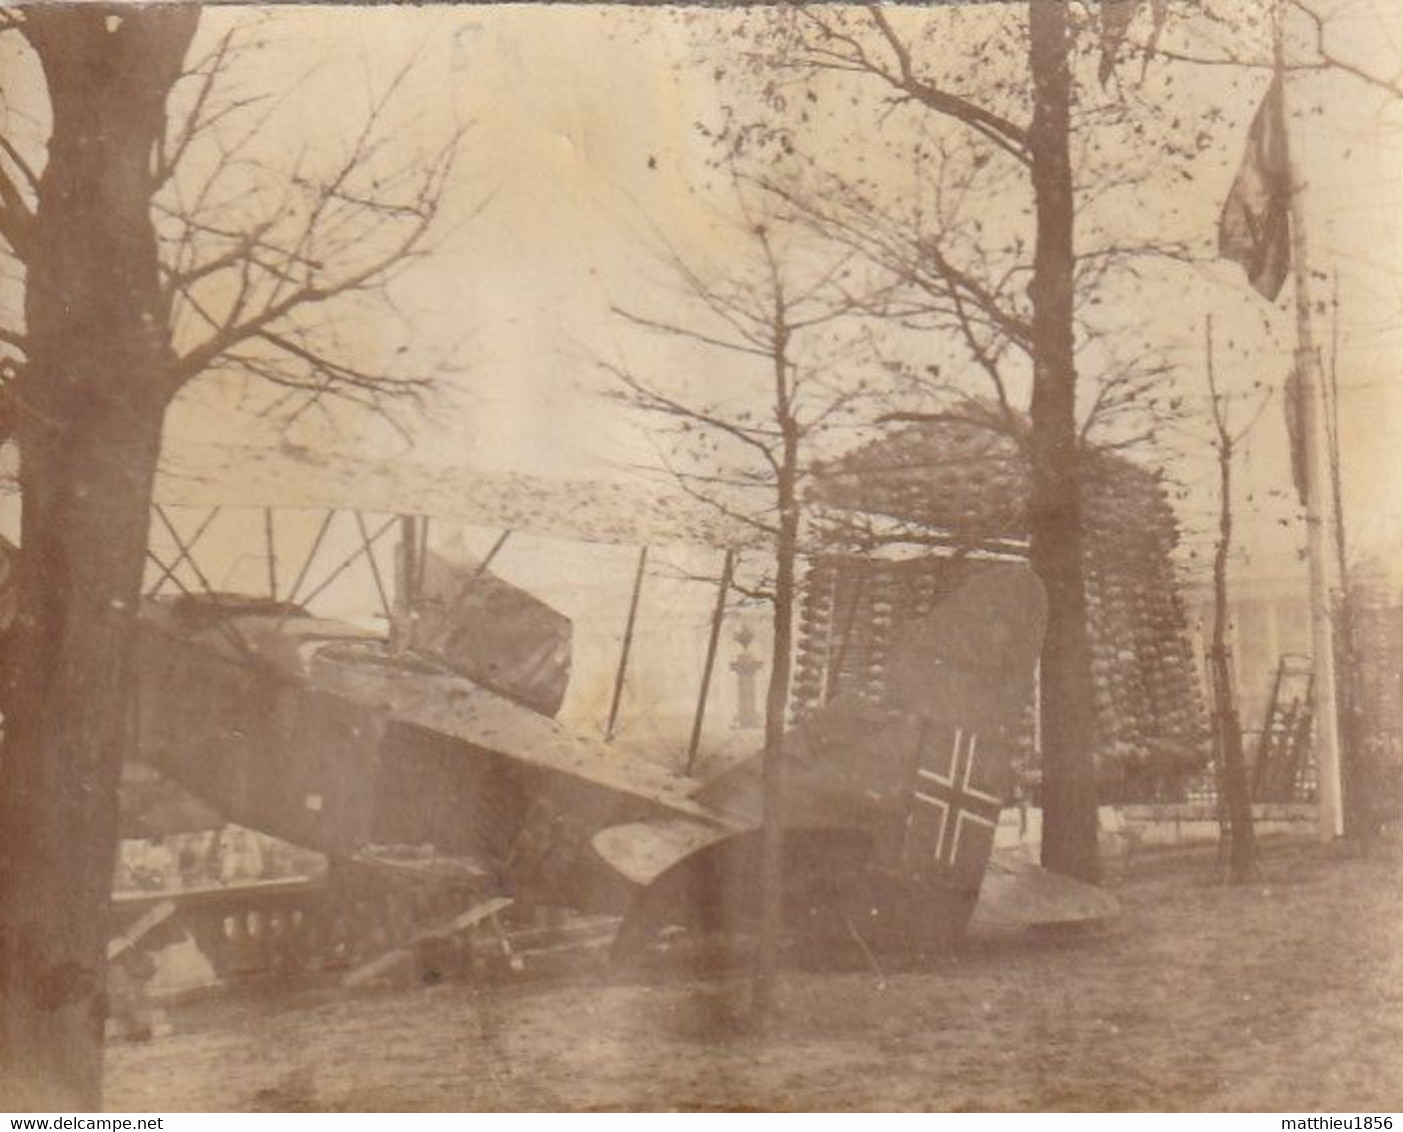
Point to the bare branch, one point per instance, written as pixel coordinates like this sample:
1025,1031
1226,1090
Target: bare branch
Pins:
687,332
261,295
321,281
1323,59
652,400
843,51
1331,60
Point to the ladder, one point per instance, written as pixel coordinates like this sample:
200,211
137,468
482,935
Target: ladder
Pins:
1283,747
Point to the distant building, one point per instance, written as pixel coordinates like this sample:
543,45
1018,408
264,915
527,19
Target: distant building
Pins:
1268,619
1269,642
972,482
1372,663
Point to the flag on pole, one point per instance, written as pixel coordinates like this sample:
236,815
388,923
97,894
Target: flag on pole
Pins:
1255,228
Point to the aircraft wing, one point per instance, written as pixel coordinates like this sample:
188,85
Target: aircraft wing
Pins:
313,731
628,513
1019,894
206,473
450,705
1015,894
642,851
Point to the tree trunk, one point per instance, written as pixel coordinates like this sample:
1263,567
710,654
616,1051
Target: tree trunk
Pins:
1362,813
1232,765
764,988
1055,521
763,999
94,389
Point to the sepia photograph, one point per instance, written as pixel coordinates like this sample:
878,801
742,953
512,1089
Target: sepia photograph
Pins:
769,557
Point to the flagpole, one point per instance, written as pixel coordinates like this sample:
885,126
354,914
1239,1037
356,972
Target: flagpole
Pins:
1307,361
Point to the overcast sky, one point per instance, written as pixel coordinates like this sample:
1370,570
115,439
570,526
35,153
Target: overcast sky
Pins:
583,147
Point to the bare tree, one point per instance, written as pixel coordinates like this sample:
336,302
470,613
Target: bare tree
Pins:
1011,113
1300,38
1054,508
1237,36
773,317
1227,724
156,246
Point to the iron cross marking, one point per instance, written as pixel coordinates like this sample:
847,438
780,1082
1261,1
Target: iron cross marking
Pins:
948,813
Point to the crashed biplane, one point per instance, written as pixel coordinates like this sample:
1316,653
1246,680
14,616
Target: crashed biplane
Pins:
441,732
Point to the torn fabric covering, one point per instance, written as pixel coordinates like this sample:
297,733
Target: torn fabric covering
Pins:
493,632
1255,227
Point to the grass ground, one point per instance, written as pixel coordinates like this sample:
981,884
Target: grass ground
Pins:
1284,995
